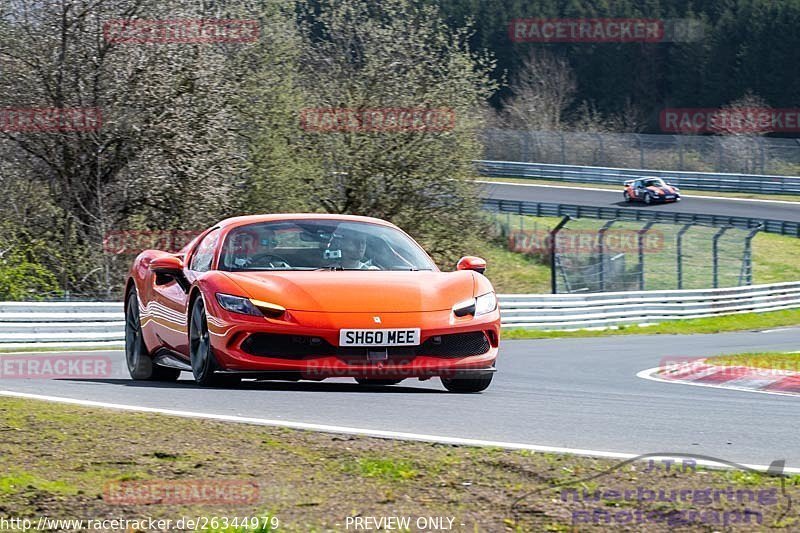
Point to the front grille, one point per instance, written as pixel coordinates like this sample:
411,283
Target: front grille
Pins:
302,347
456,345
286,346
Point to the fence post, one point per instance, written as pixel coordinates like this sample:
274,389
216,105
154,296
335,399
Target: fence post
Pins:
715,256
679,253
641,235
747,260
601,234
553,236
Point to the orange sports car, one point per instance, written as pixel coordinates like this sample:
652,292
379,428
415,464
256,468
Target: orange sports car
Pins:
309,297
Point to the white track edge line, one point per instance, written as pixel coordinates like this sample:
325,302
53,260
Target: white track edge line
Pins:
398,435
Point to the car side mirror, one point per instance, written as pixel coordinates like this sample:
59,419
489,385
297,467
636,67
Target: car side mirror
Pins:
471,262
168,268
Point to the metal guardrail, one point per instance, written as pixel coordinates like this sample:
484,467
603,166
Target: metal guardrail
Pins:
571,311
752,183
540,209
747,154
76,323
84,323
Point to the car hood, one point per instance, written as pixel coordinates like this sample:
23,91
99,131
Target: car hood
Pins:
661,190
358,291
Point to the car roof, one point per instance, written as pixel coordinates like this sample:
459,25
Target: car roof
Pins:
276,217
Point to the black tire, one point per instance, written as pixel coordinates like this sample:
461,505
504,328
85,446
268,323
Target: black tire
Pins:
378,382
647,198
204,364
627,197
137,357
467,385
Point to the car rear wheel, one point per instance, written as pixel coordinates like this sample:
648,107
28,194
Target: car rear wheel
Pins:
377,382
140,364
204,364
467,385
648,199
627,197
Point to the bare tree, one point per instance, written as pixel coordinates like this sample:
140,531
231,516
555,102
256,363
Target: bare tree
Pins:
741,130
541,92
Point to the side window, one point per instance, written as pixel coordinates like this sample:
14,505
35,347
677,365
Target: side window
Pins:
204,254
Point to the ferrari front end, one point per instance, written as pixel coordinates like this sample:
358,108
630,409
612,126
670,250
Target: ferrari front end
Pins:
392,330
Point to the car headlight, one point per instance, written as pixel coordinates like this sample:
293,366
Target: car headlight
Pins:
481,305
485,304
237,304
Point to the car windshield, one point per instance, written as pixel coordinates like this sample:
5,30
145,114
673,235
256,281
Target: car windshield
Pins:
320,244
655,182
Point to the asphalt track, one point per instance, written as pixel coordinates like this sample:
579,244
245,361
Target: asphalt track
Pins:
774,210
570,393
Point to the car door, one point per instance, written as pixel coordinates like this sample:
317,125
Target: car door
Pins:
639,190
174,300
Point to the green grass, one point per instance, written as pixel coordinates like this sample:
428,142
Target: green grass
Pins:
16,482
386,468
701,192
775,258
511,272
743,322
771,360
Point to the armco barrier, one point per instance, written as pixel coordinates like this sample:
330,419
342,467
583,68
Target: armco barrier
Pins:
76,323
102,323
752,183
540,209
573,311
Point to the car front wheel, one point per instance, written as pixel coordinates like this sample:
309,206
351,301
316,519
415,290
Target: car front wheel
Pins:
467,385
204,364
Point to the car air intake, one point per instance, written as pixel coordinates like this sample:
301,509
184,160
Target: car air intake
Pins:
302,347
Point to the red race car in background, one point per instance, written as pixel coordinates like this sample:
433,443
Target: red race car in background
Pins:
650,191
309,297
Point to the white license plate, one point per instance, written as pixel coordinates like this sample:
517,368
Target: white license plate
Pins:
670,197
379,337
